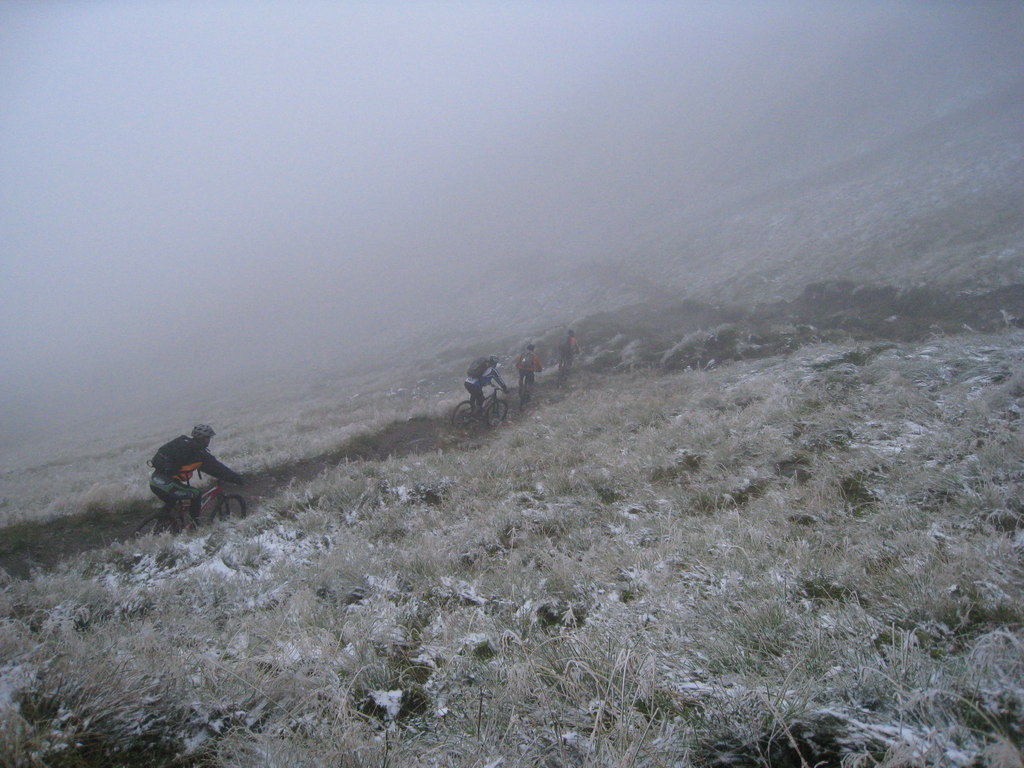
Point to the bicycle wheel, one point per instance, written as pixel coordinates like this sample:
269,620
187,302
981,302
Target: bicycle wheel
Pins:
230,505
157,523
462,414
496,412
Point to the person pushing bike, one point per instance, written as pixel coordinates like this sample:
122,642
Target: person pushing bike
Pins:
174,464
482,373
567,350
528,364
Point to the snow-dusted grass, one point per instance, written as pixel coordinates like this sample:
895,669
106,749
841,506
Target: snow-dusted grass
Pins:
795,561
107,465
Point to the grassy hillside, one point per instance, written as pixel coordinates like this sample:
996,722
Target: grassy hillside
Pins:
800,559
773,519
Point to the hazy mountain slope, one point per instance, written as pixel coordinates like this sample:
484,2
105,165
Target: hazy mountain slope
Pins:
786,531
941,205
283,423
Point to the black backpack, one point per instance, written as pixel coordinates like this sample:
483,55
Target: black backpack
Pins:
478,368
171,456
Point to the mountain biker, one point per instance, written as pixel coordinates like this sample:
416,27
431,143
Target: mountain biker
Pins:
567,350
482,373
528,364
176,461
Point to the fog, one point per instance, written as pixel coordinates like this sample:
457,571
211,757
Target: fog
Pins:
190,189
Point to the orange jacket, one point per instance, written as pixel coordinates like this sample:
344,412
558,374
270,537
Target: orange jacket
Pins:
528,361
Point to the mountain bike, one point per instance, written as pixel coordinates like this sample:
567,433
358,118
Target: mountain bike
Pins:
526,388
492,413
564,366
214,504
566,354
525,393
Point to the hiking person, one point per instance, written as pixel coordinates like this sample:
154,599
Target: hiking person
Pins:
567,350
176,461
482,373
528,364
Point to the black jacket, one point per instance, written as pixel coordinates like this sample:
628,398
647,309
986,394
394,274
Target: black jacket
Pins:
182,456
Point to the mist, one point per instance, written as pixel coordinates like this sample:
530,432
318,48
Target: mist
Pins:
190,192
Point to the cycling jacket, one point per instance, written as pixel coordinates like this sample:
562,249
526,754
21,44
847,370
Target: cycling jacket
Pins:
529,361
183,456
490,377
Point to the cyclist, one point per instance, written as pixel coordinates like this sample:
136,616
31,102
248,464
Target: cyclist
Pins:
173,466
567,350
482,373
528,366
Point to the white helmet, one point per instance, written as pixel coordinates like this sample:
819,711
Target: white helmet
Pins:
203,430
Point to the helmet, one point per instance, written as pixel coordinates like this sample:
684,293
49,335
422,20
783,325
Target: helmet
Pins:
572,333
493,359
203,430
530,347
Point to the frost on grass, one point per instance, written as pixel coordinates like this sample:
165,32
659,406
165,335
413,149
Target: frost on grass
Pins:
800,560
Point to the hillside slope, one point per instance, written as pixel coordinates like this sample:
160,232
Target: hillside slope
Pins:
802,559
658,336
774,518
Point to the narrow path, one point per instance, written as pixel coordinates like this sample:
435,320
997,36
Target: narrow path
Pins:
857,312
29,547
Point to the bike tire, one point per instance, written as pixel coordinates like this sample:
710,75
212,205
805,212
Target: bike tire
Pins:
230,506
156,524
496,412
462,414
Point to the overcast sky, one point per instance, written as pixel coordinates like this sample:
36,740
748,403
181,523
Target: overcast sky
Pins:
266,179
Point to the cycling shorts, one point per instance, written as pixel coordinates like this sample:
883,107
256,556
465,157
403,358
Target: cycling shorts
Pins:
170,491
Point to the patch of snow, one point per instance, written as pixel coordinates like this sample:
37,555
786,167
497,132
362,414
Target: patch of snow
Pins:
921,744
464,590
389,701
216,565
13,678
195,741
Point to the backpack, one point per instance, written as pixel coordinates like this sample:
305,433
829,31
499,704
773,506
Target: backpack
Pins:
525,361
478,368
169,457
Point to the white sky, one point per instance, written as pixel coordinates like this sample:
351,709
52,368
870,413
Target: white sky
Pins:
266,179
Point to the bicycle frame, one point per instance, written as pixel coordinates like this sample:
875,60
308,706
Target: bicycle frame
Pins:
491,412
213,503
207,503
209,497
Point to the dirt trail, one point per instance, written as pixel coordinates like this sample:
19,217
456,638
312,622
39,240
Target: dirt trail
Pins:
29,547
856,312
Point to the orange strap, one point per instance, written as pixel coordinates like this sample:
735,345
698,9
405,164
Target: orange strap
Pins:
185,472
